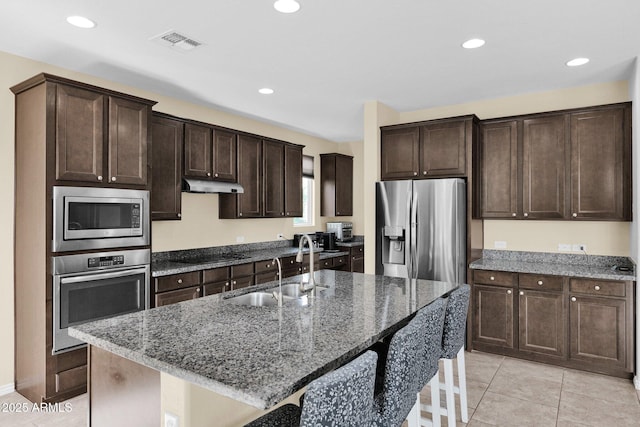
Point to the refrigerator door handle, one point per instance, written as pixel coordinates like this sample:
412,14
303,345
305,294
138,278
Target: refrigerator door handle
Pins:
413,273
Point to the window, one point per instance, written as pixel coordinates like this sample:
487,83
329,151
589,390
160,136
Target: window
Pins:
306,220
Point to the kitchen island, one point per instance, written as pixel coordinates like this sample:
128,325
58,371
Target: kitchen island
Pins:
256,355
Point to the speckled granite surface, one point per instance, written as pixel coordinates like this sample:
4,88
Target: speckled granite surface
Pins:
175,262
572,265
261,355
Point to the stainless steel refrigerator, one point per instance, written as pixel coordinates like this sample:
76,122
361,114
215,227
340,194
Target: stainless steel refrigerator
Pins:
421,229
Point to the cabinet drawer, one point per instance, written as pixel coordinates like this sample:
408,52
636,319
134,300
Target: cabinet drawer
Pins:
179,295
71,359
327,263
288,262
339,261
215,288
241,270
265,266
215,275
598,287
497,278
177,281
71,378
290,272
242,282
540,282
268,276
357,252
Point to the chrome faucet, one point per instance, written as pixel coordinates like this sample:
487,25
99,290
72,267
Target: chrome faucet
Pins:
299,257
278,296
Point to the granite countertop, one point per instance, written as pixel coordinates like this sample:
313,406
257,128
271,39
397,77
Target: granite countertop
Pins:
350,244
175,266
261,355
572,265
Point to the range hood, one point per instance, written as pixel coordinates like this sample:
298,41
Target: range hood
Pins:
202,186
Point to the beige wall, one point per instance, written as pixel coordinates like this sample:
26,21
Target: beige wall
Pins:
605,238
200,226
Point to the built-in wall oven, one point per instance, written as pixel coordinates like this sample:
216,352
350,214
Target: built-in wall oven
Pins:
91,218
95,286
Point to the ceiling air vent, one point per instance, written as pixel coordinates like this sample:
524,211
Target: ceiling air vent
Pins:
176,41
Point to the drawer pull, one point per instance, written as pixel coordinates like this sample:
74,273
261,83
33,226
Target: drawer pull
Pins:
540,282
268,265
197,289
179,280
513,214
526,214
415,174
509,292
492,278
235,282
99,177
521,292
573,299
596,287
575,215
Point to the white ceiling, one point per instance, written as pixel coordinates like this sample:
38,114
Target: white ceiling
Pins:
328,59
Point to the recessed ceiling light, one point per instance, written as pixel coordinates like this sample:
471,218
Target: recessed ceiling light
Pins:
286,6
266,91
473,43
81,22
577,62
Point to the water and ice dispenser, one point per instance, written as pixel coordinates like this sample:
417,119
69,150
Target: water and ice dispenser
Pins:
393,245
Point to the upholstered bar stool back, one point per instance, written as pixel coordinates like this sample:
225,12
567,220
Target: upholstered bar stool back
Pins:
343,397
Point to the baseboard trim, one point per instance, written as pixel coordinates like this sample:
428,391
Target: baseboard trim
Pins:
7,388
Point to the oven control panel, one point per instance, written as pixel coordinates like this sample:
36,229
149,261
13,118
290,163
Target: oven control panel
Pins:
105,261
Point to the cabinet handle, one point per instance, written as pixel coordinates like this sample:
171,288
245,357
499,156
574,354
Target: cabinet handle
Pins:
113,179
596,287
521,292
197,289
281,213
216,175
424,172
573,299
291,262
240,214
415,174
208,173
575,215
179,280
235,282
179,215
526,214
226,284
287,213
509,292
540,282
99,177
268,265
338,213
492,278
513,214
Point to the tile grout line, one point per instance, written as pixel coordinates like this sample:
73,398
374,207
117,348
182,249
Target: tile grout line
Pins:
487,389
560,398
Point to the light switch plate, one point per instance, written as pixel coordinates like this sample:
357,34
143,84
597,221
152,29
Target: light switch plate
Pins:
579,247
499,244
239,239
171,420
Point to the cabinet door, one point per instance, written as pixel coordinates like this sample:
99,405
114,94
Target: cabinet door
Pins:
224,155
600,179
499,165
128,134
249,159
399,153
493,316
597,330
541,322
79,134
293,181
273,178
215,288
197,151
166,154
545,150
442,149
344,186
180,295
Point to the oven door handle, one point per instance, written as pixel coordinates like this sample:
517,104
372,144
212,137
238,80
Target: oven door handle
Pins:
97,276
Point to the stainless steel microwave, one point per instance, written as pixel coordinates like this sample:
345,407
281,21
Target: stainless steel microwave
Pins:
87,218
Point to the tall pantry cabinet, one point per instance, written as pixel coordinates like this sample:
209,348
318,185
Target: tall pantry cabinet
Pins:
67,133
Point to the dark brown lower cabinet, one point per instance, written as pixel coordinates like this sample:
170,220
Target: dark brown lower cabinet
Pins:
355,261
541,322
493,316
578,323
179,295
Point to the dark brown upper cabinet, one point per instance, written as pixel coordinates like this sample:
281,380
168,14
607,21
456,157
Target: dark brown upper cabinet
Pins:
292,180
601,164
209,153
572,164
167,135
273,176
336,185
545,151
498,169
249,204
95,147
432,149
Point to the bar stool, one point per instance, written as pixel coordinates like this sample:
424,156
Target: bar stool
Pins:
343,397
396,401
453,338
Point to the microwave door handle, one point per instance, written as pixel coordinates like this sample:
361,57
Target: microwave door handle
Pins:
110,275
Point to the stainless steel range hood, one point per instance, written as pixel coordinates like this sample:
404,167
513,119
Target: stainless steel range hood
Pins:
201,186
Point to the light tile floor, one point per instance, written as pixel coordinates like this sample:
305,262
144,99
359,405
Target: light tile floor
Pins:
501,392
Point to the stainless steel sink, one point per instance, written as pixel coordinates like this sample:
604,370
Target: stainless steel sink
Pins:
293,290
257,299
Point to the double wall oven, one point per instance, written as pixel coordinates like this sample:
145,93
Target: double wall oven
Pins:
101,262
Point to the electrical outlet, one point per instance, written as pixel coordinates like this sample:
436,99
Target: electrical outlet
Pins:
171,420
579,247
500,244
280,236
564,247
239,239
